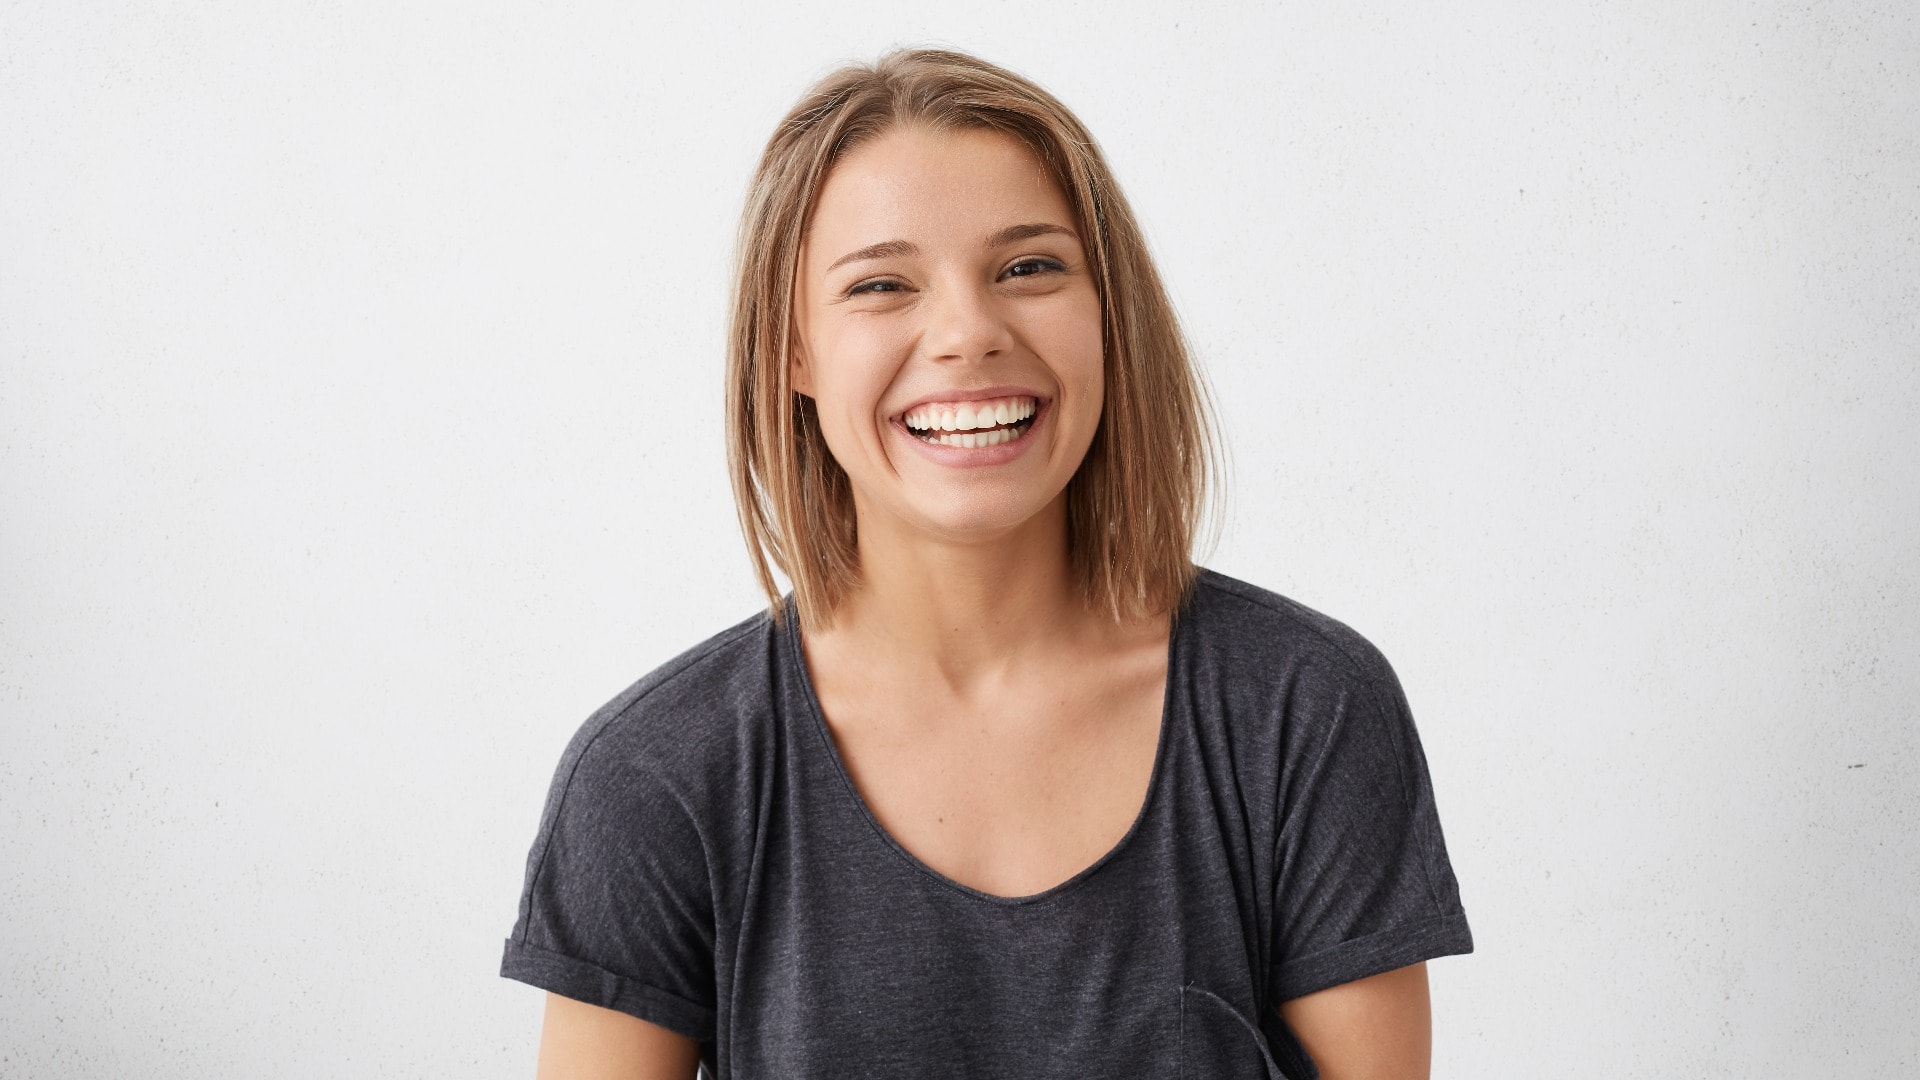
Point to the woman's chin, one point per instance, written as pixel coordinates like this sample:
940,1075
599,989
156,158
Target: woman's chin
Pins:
974,522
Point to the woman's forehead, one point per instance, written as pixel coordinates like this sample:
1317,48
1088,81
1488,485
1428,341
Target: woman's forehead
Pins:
931,187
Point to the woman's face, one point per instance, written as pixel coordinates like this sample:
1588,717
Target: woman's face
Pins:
950,333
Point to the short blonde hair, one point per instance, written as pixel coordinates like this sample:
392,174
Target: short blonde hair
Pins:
1135,503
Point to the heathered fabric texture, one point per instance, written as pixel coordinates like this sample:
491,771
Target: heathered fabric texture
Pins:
705,863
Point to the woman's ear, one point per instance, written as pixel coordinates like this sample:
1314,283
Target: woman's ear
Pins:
800,372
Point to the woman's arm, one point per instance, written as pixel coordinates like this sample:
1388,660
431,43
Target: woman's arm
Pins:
586,1042
1377,1028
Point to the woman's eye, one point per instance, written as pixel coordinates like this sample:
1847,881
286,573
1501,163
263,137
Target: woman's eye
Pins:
1031,267
875,287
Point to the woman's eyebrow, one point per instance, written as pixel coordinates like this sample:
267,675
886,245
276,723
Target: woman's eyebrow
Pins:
1013,234
889,249
895,249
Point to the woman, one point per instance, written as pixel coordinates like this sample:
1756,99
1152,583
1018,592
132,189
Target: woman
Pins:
1008,787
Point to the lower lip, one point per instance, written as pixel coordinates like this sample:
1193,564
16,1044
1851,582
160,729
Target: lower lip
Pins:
977,456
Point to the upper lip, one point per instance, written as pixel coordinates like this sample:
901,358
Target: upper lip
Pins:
955,397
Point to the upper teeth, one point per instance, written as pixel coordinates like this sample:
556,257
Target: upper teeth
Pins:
969,415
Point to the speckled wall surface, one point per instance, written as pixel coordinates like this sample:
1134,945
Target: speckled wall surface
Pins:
360,433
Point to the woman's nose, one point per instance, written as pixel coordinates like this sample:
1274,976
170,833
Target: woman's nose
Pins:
964,322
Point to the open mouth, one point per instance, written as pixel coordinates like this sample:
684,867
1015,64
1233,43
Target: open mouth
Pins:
972,424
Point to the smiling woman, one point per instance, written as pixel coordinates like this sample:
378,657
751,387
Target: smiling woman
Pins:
1007,786
964,319
1149,460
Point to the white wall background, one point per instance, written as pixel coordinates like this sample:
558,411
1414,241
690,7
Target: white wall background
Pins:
359,374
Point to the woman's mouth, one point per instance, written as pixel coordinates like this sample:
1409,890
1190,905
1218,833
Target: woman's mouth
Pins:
972,424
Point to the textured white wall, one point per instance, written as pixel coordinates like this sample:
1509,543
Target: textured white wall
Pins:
360,403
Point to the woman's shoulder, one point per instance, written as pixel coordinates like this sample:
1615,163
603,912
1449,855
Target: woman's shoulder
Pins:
1242,627
684,725
647,828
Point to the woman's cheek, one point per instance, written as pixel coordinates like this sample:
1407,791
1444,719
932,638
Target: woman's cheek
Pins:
854,381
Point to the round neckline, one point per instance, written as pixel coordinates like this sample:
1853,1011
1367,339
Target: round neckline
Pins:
791,632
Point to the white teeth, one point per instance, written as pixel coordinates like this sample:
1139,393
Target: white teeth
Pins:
970,416
974,440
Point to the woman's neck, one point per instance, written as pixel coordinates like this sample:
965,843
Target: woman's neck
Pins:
965,611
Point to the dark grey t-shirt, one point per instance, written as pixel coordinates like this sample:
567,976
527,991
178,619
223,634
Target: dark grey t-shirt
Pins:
705,863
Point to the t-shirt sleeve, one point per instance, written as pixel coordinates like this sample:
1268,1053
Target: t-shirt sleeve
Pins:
1363,880
617,910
